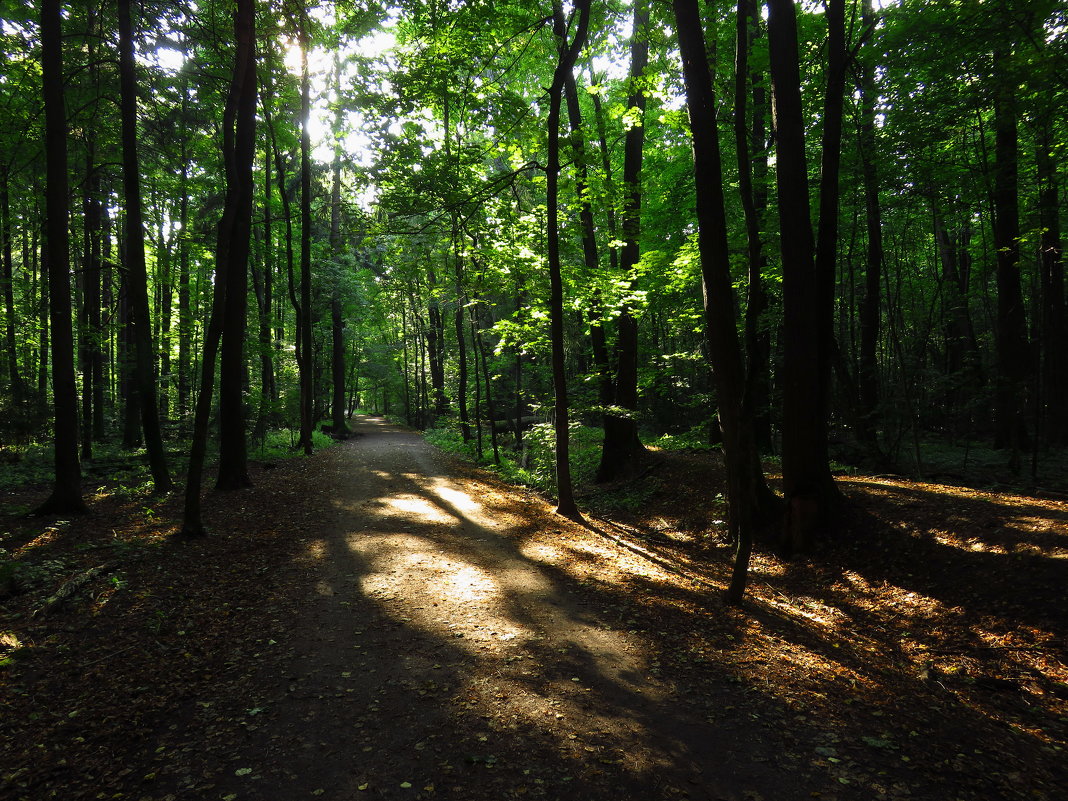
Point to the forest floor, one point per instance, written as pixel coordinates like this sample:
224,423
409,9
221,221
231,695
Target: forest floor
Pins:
384,621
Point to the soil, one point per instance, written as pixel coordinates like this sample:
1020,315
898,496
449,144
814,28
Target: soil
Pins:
384,621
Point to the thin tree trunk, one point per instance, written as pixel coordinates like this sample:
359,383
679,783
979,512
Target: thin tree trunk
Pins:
757,335
590,257
568,53
66,497
338,372
307,378
868,369
13,374
621,442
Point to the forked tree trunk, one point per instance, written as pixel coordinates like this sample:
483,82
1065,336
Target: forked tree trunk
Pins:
239,102
748,494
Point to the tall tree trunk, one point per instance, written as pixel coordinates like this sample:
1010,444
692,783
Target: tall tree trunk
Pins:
186,316
261,283
90,320
239,102
747,490
66,497
868,373
621,442
136,271
8,283
568,53
1013,359
338,372
304,325
233,447
807,480
750,138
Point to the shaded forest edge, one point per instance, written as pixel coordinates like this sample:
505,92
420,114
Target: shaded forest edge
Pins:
922,646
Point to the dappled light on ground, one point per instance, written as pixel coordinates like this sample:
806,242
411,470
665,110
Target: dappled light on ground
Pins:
383,621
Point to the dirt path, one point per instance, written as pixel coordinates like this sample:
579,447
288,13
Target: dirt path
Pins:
441,654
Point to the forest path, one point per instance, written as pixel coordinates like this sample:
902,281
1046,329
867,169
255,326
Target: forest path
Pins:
444,651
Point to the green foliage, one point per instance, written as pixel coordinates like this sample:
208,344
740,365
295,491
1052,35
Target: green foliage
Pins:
696,439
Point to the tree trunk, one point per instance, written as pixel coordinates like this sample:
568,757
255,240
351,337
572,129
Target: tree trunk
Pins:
136,271
747,491
1013,359
807,481
867,373
590,257
233,447
338,372
621,442
228,246
304,325
568,53
7,280
749,138
66,497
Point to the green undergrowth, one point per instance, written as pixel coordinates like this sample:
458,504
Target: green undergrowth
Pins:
533,464
126,470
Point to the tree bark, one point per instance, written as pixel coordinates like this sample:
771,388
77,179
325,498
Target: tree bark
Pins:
1013,359
13,374
338,371
233,447
869,317
304,325
66,496
568,53
747,139
242,87
747,491
136,271
807,481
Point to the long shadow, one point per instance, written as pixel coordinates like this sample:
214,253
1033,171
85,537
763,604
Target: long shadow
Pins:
374,695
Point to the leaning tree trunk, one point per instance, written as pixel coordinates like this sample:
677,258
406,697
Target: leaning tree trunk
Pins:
136,270
66,494
566,505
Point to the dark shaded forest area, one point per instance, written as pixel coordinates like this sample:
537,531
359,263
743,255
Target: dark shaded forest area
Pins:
769,295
